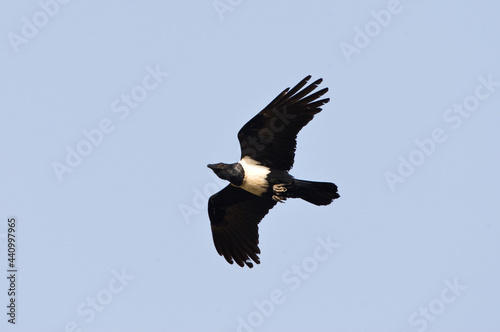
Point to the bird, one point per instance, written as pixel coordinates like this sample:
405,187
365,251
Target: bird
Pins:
261,179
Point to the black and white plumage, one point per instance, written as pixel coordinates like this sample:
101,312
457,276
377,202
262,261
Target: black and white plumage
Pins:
260,179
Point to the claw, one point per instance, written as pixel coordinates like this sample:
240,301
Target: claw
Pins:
279,199
279,188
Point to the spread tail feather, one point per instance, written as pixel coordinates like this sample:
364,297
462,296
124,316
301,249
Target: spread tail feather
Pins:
317,193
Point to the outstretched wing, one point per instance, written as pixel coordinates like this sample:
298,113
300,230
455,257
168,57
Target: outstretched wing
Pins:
270,136
234,216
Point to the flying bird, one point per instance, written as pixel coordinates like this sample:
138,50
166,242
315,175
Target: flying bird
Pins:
260,179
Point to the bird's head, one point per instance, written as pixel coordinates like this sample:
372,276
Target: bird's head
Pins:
220,169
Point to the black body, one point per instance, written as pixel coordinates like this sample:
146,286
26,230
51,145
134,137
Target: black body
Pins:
260,179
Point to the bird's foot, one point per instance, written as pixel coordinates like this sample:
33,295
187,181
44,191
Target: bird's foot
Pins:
279,199
279,188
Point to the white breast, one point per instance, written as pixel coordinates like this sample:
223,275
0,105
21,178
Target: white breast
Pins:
255,176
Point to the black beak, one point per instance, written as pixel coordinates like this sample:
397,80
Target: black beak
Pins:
213,167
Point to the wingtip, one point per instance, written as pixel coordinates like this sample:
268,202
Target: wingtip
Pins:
304,80
318,81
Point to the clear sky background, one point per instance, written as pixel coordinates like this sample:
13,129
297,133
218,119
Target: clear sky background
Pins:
111,111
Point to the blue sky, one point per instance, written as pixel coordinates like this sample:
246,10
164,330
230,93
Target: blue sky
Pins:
111,111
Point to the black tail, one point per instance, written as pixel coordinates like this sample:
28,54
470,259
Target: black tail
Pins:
317,193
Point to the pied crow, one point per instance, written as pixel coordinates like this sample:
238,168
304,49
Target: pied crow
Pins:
260,179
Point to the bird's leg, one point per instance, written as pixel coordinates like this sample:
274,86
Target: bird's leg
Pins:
279,199
278,190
